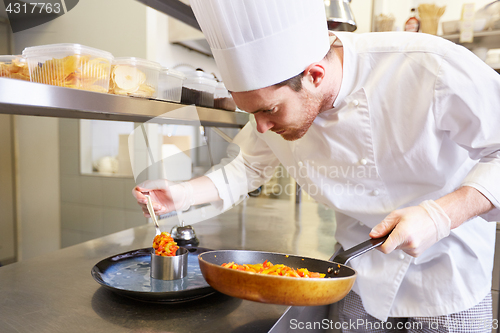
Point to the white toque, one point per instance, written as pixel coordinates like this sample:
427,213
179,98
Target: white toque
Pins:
258,43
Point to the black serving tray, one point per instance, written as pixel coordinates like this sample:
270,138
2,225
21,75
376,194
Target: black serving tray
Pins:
128,274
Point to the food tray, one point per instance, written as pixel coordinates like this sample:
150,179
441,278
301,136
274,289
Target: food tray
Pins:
128,274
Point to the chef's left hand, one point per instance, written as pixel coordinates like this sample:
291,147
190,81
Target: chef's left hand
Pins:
414,229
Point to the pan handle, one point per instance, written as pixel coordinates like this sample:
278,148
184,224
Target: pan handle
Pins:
344,256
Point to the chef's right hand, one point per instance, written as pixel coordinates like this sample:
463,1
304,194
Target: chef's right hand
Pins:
413,229
165,197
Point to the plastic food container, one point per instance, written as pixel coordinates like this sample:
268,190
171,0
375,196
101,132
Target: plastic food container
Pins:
493,58
134,77
69,65
450,27
170,85
198,88
223,99
14,67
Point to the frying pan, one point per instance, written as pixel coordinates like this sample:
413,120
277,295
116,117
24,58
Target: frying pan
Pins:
282,290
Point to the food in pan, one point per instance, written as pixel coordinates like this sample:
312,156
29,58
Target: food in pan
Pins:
164,245
268,268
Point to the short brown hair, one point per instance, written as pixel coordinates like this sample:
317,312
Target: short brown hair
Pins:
295,82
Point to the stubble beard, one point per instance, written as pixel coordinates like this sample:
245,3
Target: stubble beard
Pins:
311,108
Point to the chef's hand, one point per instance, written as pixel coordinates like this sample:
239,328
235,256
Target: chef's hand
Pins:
165,197
414,229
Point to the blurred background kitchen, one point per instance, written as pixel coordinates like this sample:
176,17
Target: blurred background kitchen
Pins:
65,181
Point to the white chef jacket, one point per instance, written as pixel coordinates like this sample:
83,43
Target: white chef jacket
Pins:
416,117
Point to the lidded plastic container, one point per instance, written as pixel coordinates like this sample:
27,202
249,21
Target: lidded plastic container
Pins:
223,99
493,58
134,77
14,67
170,85
198,88
69,65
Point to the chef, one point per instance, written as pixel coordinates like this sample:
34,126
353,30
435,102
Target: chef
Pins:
394,131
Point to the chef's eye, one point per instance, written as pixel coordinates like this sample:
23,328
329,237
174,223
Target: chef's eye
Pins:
271,111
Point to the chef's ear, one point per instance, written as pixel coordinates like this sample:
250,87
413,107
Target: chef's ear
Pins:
314,74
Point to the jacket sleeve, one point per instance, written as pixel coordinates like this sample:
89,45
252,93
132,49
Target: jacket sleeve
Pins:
250,163
467,108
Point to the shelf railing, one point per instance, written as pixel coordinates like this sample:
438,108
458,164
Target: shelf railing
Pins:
480,34
35,99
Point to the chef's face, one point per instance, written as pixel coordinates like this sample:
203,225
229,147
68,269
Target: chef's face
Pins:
280,109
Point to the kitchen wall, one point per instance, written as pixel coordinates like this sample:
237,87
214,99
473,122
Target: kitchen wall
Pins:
7,221
401,9
125,28
90,23
170,55
117,26
362,10
4,36
37,190
56,202
91,206
29,178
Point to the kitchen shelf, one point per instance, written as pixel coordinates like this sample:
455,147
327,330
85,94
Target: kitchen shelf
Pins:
36,99
489,39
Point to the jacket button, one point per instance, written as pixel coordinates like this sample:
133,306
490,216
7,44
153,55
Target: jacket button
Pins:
355,102
363,161
300,164
375,192
401,256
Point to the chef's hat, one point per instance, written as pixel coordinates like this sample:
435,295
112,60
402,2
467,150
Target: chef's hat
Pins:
258,43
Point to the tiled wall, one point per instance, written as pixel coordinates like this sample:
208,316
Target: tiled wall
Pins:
91,206
105,137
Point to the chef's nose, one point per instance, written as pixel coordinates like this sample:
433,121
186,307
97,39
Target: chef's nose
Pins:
263,124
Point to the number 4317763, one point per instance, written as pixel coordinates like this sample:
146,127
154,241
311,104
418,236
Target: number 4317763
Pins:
36,8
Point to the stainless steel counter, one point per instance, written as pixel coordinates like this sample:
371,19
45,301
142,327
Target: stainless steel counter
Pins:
56,293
